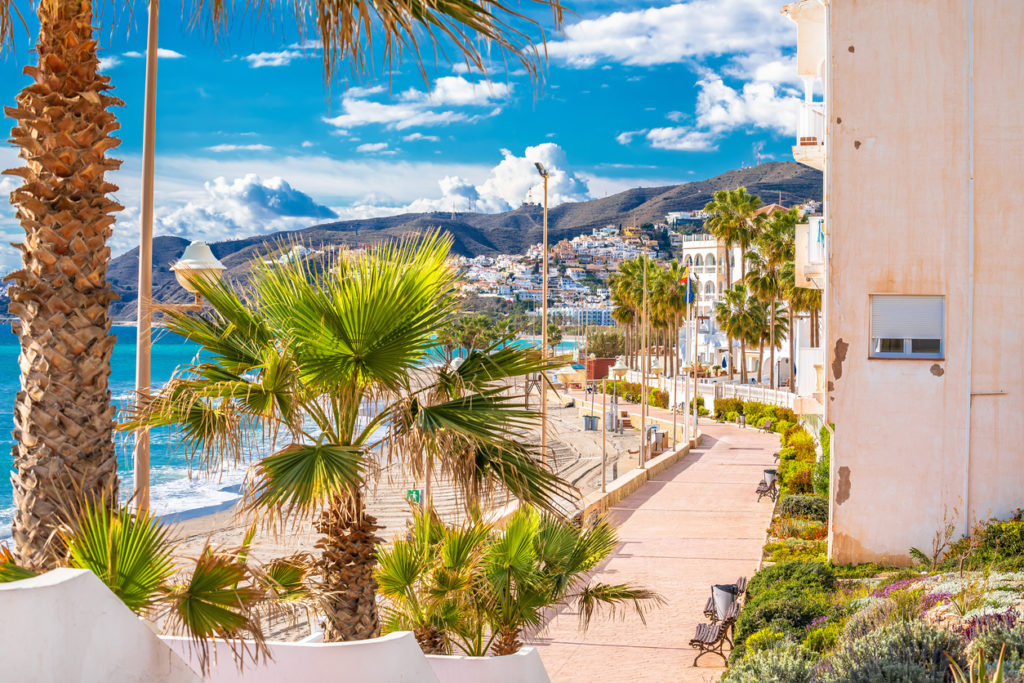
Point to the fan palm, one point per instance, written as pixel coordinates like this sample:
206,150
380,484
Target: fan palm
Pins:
774,248
64,127
734,315
478,588
799,300
304,353
769,328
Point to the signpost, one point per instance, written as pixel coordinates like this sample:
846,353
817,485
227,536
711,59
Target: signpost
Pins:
412,496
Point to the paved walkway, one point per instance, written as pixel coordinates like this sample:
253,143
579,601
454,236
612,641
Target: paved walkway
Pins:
695,524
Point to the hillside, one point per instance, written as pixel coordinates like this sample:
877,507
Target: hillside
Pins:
474,233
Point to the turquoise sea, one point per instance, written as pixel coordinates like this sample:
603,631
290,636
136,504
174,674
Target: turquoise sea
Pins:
173,492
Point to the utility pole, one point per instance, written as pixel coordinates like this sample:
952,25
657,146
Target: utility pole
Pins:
544,322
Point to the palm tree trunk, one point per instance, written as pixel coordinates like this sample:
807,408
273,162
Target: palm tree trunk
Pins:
760,362
348,556
771,349
815,341
430,640
507,642
63,417
792,351
743,360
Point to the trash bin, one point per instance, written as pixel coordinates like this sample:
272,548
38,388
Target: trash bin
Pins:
769,476
590,423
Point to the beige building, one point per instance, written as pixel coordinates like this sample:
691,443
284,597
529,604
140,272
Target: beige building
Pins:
921,138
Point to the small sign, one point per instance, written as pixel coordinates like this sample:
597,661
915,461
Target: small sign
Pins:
412,495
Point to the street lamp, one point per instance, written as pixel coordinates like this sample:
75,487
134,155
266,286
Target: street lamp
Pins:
544,318
196,263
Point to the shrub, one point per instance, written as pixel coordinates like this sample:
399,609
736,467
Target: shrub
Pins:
859,571
826,440
786,414
822,469
731,416
796,477
803,444
795,549
992,639
908,652
785,664
764,639
810,507
724,406
787,611
876,614
792,429
782,426
795,576
822,639
996,543
787,453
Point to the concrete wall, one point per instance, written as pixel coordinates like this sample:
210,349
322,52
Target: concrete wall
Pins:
521,667
394,658
67,626
918,442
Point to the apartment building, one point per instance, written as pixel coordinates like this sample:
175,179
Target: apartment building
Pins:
921,259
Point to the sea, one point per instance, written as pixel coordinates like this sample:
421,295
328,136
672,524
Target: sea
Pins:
175,491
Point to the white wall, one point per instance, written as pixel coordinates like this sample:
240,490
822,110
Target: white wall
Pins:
67,626
522,667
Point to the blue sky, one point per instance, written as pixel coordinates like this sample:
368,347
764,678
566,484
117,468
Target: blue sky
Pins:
251,140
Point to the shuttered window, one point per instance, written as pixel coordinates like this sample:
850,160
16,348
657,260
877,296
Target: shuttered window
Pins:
907,326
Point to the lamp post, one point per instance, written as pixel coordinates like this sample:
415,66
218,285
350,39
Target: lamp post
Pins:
644,360
544,318
196,263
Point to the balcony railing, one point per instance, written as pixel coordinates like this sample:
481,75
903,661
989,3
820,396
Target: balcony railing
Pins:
810,128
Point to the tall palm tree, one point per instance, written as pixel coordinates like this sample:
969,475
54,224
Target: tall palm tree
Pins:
63,419
731,219
799,300
734,314
773,250
332,360
769,327
64,416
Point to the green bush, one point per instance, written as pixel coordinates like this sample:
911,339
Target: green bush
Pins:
785,664
791,549
792,576
796,477
860,571
731,416
821,475
787,453
792,429
905,652
995,543
724,406
991,639
826,440
823,639
788,611
810,507
803,444
764,639
782,426
874,615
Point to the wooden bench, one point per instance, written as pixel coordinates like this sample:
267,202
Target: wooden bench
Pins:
766,489
711,638
767,426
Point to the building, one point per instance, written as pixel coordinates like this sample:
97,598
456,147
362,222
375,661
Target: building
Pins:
921,260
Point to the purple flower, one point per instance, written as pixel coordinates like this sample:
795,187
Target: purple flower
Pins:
816,623
933,599
982,622
886,591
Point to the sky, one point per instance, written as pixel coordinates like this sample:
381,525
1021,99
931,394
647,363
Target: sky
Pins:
251,139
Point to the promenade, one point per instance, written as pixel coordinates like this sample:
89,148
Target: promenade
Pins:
696,523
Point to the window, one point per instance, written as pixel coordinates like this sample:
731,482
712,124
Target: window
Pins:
908,326
699,261
710,260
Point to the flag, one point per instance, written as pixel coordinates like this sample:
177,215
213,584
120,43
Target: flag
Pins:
686,275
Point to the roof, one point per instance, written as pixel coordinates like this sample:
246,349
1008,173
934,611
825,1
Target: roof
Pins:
769,209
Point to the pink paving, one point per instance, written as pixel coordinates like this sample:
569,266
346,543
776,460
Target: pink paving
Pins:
695,524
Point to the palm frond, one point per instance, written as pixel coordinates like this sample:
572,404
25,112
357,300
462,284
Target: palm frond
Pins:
302,477
130,552
9,569
617,599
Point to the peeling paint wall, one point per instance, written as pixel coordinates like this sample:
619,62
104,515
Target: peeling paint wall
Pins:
903,127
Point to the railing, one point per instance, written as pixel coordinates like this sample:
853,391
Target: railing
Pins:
816,240
714,389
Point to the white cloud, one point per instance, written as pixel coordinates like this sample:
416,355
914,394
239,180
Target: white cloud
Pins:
721,108
108,63
414,137
282,58
368,147
626,137
681,139
308,143
415,107
240,148
675,116
307,45
676,33
244,206
161,53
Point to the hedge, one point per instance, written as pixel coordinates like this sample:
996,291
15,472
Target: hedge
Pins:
810,507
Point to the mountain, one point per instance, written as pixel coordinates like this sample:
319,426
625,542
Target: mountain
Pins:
473,233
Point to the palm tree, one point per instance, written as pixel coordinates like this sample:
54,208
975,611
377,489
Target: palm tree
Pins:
731,218
734,315
774,249
479,588
799,300
64,416
769,327
331,359
670,297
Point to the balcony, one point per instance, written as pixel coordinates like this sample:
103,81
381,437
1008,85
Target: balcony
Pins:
810,253
810,135
810,381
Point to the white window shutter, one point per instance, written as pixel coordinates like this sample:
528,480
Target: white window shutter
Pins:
907,317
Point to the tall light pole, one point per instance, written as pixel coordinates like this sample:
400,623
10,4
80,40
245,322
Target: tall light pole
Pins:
544,319
643,362
144,319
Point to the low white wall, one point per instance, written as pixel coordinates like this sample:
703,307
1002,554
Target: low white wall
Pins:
66,625
394,658
524,666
